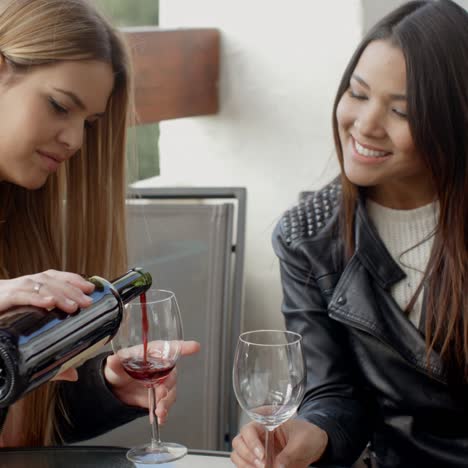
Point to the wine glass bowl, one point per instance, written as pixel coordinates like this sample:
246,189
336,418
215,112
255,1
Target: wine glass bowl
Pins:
155,367
269,376
148,344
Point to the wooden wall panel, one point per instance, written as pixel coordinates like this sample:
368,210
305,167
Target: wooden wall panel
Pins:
176,71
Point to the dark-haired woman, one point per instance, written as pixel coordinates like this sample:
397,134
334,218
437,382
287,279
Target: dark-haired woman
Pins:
374,265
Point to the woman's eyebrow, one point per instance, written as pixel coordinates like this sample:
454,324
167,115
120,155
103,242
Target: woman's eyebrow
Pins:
393,96
78,102
360,80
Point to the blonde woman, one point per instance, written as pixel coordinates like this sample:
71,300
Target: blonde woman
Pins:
65,101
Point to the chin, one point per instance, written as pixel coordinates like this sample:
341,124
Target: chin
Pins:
359,177
33,184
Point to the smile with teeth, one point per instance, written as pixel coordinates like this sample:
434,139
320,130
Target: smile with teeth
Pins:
368,152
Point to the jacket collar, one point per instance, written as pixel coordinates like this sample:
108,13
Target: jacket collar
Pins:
371,250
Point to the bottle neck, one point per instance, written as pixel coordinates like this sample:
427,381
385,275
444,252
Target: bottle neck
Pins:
132,284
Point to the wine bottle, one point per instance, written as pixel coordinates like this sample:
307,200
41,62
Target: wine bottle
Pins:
36,344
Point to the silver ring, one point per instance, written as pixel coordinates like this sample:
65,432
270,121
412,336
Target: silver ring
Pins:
37,287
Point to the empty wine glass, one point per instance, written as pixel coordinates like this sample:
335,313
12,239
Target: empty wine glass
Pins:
148,345
269,378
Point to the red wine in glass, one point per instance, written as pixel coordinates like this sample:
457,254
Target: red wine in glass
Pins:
144,325
148,346
148,370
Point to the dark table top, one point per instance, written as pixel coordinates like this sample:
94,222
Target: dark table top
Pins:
105,457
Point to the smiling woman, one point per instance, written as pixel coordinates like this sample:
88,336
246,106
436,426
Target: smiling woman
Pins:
66,101
374,266
378,148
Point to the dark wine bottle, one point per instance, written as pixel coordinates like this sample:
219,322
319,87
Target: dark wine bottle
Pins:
36,344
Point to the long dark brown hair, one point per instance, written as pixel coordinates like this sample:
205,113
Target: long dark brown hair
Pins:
433,36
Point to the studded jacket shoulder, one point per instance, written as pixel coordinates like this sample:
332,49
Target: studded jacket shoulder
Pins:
310,234
314,212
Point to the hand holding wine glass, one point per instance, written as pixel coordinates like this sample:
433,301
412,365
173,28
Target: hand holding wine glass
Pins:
296,443
269,379
132,393
148,344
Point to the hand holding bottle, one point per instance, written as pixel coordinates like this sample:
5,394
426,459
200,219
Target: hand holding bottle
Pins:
49,289
133,393
38,344
297,444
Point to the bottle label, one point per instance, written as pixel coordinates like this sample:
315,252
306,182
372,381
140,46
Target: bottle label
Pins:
83,357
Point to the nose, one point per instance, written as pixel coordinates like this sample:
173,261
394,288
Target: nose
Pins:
370,121
71,136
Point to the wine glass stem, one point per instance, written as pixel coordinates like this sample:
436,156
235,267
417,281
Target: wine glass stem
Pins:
155,438
269,450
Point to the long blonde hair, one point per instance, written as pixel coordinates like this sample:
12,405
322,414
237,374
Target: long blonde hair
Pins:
76,221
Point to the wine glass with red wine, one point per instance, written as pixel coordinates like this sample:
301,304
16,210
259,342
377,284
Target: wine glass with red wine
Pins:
148,345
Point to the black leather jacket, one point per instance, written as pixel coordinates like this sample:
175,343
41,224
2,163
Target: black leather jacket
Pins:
368,376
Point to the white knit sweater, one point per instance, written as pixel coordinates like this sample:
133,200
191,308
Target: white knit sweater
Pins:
408,236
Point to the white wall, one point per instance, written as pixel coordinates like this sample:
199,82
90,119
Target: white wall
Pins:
463,3
280,66
373,10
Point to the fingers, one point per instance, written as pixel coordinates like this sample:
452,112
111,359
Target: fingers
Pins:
248,450
305,444
239,462
48,289
66,288
113,370
136,394
138,397
166,396
132,392
65,296
189,347
164,400
251,436
70,375
75,280
22,297
170,381
163,406
169,350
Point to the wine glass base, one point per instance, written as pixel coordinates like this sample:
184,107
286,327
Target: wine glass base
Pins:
164,453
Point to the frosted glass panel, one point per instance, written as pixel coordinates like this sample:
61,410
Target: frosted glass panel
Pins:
187,249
